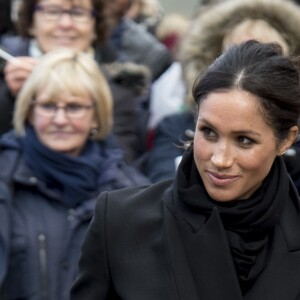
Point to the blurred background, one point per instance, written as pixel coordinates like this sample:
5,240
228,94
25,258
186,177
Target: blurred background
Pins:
186,7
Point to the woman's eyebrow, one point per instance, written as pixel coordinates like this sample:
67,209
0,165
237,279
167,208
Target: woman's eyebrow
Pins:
236,132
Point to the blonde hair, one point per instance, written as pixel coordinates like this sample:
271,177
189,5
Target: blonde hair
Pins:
71,71
259,30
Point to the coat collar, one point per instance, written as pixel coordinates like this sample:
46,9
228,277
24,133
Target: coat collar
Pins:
290,220
199,258
201,261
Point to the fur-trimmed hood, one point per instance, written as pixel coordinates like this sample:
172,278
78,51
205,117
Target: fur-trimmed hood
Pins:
134,76
203,43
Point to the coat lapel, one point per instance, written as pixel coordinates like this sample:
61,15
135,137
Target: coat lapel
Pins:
200,259
281,278
202,265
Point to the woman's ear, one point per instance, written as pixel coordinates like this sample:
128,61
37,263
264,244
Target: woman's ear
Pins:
94,124
288,142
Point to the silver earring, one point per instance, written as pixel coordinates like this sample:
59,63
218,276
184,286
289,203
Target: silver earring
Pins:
282,153
93,132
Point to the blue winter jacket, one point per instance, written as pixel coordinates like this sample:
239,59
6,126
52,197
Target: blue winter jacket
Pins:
40,237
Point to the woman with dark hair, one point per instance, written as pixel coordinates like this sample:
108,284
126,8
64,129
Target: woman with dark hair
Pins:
228,226
263,20
229,22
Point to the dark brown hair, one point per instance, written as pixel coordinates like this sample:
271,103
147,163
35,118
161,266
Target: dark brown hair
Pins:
265,72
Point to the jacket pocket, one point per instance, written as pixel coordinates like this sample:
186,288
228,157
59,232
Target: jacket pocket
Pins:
18,283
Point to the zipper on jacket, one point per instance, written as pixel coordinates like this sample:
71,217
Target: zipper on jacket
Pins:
70,215
43,266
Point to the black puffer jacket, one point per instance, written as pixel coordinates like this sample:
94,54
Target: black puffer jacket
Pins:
40,236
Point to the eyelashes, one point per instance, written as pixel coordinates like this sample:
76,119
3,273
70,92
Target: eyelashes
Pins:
211,135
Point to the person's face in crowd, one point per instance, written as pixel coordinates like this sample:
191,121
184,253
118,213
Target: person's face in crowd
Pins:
63,124
234,147
53,29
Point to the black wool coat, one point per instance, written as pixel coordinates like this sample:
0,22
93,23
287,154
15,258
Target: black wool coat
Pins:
134,250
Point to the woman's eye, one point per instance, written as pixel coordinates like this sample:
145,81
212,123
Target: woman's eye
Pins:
245,141
48,106
78,12
208,132
74,107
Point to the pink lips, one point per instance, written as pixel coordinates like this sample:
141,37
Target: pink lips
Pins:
221,180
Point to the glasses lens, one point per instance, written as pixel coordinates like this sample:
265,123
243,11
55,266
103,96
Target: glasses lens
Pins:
72,110
75,110
52,13
45,109
80,15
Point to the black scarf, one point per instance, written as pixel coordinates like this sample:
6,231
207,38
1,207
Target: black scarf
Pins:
74,179
248,223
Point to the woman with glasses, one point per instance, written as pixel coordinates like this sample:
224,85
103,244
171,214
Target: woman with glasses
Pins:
45,25
52,167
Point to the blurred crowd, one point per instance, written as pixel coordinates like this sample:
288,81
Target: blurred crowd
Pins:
96,95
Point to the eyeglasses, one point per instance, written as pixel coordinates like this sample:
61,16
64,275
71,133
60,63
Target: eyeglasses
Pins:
72,110
54,13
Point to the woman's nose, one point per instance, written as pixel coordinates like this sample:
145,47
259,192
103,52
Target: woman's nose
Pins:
65,20
60,116
222,156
